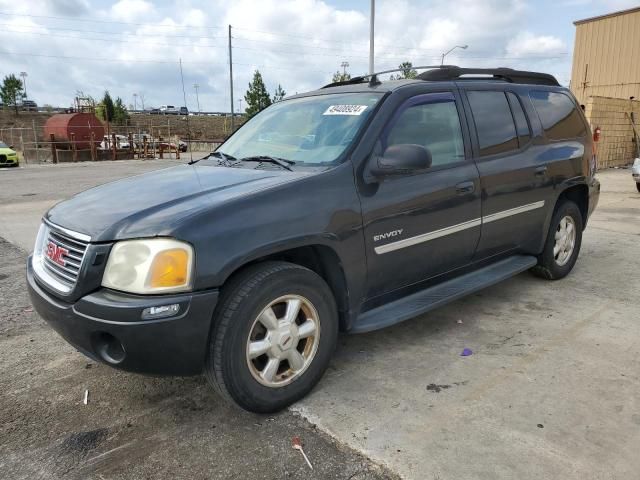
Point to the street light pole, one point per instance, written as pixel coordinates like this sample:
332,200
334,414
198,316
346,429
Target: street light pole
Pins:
463,47
240,105
135,102
344,66
371,25
196,86
24,82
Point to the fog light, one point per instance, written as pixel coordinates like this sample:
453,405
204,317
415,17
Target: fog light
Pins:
161,311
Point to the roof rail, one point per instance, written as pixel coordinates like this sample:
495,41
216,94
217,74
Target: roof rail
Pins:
437,73
373,77
451,72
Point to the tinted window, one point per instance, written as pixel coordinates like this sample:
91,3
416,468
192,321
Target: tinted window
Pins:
435,126
558,114
494,123
522,127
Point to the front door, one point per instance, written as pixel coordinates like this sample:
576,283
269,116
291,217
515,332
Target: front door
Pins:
420,225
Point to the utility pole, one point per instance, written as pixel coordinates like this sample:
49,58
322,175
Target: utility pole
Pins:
231,81
196,86
371,24
344,66
24,83
135,102
240,105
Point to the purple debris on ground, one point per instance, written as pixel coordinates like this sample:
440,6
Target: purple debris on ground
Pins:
466,352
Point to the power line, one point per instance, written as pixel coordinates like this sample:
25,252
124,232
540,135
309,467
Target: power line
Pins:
107,32
78,19
100,59
381,56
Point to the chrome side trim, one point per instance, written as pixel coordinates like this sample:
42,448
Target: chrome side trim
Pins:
425,237
80,236
512,211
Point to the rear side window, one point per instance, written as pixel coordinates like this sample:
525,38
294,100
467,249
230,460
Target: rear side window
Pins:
558,114
433,125
494,122
522,126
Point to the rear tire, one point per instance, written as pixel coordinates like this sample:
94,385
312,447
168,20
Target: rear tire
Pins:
563,243
638,186
275,329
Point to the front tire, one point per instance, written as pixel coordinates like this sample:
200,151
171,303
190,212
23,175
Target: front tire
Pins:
563,243
638,186
275,330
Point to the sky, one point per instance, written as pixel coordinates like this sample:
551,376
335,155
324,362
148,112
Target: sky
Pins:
134,46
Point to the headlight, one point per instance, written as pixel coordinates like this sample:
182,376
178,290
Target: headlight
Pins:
158,265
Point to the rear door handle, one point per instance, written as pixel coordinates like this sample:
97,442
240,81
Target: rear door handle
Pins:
541,171
465,187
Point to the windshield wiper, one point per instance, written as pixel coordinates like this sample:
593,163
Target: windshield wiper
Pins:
224,159
283,162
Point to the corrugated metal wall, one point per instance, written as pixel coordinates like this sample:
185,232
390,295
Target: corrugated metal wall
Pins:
608,50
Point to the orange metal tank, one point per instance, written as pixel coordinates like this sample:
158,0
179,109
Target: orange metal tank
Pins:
63,125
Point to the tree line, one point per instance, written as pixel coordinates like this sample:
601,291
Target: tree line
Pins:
256,97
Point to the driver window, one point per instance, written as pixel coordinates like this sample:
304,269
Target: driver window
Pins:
435,126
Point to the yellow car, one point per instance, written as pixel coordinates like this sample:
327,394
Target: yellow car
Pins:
8,156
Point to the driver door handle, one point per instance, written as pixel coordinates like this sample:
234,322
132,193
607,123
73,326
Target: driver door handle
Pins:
465,187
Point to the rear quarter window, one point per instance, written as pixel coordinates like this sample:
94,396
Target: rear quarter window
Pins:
558,113
494,122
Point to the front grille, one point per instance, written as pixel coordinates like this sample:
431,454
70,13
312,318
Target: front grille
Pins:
58,257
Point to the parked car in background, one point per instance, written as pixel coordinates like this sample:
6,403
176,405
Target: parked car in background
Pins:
169,110
29,106
122,142
431,189
8,156
184,111
635,172
155,111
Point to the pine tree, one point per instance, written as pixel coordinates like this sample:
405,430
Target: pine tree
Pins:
11,90
106,109
407,71
341,77
279,94
257,97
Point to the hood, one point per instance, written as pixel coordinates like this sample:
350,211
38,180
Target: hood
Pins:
155,203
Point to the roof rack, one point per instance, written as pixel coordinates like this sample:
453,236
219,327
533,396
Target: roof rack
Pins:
373,77
437,73
510,75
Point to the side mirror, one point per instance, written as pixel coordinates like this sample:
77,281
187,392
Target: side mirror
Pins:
11,147
400,159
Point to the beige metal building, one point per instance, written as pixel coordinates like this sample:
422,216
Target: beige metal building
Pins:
605,74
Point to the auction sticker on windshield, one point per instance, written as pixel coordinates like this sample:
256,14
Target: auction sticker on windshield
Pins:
345,110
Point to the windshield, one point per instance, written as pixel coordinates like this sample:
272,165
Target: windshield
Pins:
3,145
309,130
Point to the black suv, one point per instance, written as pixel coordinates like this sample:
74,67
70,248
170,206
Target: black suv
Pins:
353,207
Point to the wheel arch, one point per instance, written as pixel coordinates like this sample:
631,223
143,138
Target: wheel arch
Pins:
319,258
578,194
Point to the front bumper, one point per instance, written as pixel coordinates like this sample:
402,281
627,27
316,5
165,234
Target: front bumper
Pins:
107,327
10,161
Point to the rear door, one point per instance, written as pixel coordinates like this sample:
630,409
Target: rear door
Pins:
513,176
420,225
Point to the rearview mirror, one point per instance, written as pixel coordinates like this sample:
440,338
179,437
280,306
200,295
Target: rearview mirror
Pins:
400,159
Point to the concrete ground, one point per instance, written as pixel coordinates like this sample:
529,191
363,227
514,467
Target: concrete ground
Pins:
551,391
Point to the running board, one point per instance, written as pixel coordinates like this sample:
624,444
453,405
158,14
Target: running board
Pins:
441,294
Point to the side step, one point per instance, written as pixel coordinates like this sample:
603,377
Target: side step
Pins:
441,294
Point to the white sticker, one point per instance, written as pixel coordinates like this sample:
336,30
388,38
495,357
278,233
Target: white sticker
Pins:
345,110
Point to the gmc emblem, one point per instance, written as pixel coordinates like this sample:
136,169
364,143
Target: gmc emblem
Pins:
55,252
